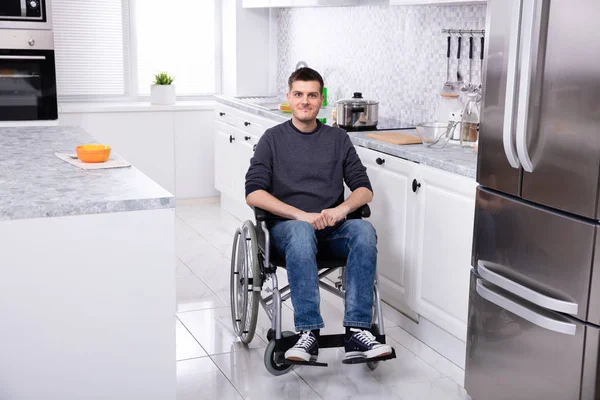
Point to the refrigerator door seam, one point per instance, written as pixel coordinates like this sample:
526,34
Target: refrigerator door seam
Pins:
525,313
526,293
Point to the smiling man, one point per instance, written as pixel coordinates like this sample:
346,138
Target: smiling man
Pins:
298,173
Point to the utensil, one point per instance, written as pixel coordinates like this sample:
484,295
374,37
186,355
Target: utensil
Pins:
448,88
436,134
357,113
481,65
469,87
459,80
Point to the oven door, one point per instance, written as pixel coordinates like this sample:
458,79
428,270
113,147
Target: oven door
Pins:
27,85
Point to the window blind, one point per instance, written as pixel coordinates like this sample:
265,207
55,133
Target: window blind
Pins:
91,45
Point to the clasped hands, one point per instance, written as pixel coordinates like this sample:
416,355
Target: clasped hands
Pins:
327,217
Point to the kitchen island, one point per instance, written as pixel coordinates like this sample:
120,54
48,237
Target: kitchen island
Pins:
87,275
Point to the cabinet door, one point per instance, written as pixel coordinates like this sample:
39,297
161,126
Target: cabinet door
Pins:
445,213
391,215
244,150
224,158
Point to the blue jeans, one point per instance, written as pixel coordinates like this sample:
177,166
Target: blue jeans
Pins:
355,240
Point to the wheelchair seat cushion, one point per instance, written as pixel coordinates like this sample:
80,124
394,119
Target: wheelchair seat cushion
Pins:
323,263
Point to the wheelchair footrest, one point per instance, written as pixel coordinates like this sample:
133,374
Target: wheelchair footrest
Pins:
361,360
307,363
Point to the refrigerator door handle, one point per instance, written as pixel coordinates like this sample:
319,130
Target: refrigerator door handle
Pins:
525,293
531,26
525,313
511,87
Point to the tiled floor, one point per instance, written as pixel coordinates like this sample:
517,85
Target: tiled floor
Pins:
212,364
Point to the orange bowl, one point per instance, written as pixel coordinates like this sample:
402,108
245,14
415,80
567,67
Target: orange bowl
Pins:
93,153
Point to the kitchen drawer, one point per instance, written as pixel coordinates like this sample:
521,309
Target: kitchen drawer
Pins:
228,115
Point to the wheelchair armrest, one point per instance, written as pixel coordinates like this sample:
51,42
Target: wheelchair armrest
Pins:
361,212
264,215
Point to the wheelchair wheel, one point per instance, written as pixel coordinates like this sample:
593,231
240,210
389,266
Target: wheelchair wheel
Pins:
270,363
245,277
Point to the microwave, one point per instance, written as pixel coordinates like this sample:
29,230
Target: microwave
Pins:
27,76
25,14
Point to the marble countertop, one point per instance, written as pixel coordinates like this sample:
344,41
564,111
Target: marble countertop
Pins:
34,183
452,158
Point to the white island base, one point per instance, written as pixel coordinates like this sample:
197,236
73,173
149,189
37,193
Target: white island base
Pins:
87,305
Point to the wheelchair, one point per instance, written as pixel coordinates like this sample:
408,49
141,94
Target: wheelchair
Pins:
252,264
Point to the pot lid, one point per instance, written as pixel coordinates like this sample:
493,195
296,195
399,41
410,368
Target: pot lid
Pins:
357,100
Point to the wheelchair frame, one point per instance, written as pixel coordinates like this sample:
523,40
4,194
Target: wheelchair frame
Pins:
247,278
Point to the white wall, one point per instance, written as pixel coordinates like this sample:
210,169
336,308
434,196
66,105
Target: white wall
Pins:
173,146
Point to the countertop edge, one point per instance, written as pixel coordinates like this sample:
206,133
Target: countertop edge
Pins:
101,207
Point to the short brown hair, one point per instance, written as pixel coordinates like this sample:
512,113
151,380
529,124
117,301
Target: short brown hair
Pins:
305,74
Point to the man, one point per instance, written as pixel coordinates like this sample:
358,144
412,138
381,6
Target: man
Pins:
297,172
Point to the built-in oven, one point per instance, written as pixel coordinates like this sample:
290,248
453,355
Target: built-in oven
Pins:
25,14
27,76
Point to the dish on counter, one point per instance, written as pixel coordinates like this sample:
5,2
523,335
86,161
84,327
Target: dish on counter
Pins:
285,107
93,153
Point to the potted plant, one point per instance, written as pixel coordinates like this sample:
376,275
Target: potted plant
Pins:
162,91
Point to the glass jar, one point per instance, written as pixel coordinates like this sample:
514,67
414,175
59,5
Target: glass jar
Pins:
469,132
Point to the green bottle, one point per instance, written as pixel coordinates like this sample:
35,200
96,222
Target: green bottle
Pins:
324,97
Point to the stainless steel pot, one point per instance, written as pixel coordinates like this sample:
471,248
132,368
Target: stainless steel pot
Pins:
357,113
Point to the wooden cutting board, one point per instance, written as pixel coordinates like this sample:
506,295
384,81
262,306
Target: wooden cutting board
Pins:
395,137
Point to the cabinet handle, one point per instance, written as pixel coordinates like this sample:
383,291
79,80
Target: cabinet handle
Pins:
415,186
379,161
231,138
247,123
247,137
222,114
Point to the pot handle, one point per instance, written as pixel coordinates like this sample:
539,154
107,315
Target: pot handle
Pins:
358,110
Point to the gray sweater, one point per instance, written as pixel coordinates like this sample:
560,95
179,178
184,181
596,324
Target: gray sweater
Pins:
306,170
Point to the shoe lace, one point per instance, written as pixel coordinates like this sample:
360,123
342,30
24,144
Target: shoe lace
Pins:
306,340
366,337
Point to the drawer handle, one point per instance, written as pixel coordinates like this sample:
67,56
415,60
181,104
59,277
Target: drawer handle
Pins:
247,123
247,137
379,161
415,185
222,114
231,138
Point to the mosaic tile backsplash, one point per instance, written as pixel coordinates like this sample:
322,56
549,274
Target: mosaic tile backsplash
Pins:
393,54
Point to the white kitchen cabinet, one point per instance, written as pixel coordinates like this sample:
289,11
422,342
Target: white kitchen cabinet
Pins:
445,212
392,216
224,158
236,135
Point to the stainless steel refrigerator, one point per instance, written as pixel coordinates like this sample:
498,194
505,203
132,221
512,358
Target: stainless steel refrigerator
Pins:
534,308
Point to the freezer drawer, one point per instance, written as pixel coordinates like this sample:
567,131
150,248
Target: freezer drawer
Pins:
541,255
516,350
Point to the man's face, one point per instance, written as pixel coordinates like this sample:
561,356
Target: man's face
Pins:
305,99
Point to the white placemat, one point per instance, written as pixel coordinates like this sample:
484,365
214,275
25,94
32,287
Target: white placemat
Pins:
110,163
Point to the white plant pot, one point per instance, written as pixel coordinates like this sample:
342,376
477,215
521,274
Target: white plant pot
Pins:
162,94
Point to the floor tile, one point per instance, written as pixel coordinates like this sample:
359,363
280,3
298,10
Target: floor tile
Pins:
246,371
341,381
405,369
426,353
186,346
213,330
437,389
200,379
192,293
